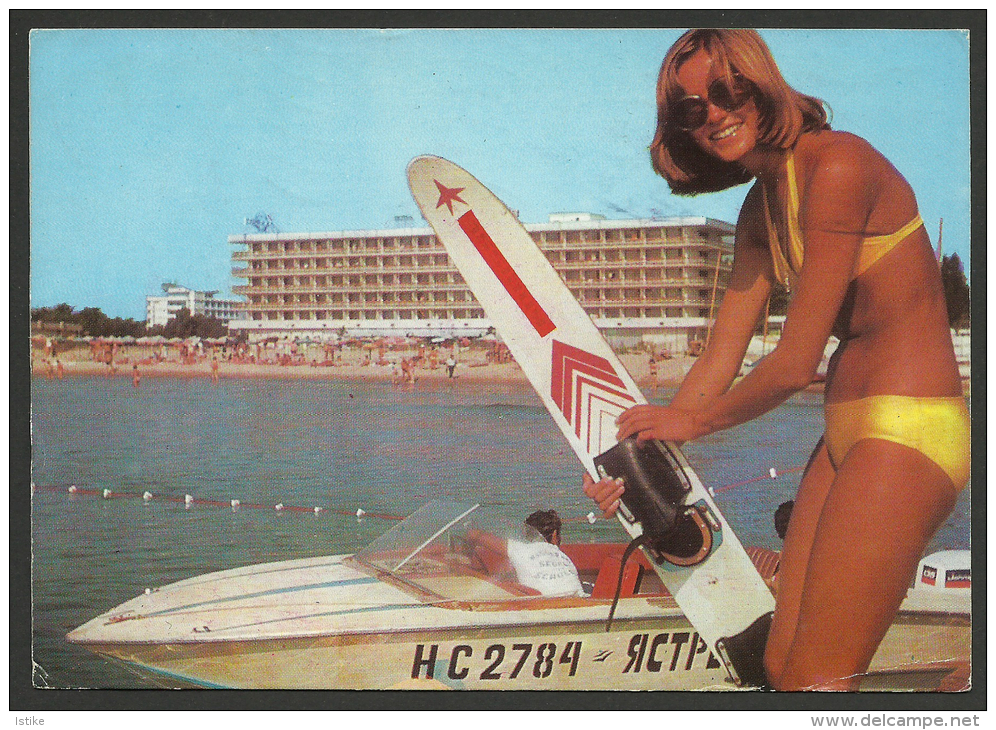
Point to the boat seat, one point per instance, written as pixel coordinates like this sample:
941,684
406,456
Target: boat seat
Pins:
766,561
608,577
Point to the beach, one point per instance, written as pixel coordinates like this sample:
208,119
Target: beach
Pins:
351,363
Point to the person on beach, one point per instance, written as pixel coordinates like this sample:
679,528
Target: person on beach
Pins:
450,366
136,376
832,219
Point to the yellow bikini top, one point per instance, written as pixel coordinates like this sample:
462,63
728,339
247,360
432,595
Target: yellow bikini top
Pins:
788,259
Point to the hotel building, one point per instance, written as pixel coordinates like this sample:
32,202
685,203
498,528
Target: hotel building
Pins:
161,309
654,280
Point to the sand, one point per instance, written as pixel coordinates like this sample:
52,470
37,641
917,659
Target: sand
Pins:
472,365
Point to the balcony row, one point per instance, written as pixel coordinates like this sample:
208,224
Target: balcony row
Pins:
591,246
696,302
583,286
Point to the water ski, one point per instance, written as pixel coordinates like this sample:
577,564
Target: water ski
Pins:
585,388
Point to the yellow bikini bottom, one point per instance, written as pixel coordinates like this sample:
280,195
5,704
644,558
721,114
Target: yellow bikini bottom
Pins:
939,428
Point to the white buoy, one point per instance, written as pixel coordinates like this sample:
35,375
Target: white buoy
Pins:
317,510
148,591
772,473
147,496
107,493
591,518
279,506
187,500
360,513
72,489
235,504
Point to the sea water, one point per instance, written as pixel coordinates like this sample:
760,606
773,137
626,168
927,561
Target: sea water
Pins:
339,445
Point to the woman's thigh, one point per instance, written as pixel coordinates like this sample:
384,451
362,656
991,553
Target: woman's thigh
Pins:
883,506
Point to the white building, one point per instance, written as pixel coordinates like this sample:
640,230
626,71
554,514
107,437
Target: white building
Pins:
161,309
650,280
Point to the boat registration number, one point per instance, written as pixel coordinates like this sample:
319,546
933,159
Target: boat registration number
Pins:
662,652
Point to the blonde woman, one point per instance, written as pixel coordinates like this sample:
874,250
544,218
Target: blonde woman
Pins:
832,219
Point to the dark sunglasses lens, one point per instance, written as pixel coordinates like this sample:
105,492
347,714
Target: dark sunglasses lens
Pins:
726,97
690,113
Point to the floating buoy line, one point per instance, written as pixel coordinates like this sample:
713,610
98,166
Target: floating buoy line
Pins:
188,500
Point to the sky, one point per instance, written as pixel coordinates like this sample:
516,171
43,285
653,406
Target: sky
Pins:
150,147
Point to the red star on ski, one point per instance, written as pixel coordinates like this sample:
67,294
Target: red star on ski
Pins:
448,195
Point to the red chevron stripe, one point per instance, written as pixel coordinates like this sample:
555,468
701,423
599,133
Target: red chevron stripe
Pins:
598,386
594,390
536,315
592,437
576,359
575,375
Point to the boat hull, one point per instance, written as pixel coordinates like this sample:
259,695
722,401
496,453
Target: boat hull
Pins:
323,623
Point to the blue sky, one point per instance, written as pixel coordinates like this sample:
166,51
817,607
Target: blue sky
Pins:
149,147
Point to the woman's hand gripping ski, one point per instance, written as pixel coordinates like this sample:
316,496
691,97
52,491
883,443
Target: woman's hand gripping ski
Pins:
645,422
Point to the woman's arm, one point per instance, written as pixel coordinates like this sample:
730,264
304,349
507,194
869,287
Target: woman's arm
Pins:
714,371
836,202
748,290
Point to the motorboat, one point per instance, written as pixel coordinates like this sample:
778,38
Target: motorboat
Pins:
428,605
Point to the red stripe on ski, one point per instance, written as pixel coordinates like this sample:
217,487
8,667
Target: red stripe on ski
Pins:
576,374
594,388
536,315
567,359
593,438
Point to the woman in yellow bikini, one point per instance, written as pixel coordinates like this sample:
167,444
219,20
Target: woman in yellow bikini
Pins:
831,218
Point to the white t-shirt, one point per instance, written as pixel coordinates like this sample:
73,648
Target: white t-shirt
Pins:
545,568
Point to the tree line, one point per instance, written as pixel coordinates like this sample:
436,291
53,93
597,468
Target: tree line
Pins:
95,323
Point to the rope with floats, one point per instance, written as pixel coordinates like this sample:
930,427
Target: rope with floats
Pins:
188,500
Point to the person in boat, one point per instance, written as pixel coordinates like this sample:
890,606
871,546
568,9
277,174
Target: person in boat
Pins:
538,564
782,517
829,217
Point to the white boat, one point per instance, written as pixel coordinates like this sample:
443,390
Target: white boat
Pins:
424,607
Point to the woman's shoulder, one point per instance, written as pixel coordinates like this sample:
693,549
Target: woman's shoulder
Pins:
829,148
835,158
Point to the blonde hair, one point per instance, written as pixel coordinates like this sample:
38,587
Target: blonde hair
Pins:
784,112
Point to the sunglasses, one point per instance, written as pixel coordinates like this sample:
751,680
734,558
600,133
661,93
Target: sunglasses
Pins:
693,111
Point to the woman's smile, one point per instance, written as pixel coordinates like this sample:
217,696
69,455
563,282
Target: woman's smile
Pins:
726,131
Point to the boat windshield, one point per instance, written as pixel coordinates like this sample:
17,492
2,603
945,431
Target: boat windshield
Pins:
454,551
